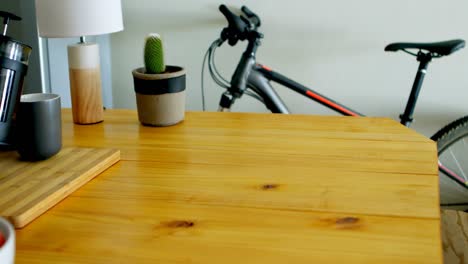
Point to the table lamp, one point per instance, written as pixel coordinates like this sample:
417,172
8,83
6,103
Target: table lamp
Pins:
80,18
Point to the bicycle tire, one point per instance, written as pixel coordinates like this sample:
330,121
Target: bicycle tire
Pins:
452,148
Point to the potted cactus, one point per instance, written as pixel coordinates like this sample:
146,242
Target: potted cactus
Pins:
160,89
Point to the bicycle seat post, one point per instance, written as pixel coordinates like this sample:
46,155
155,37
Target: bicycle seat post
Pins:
424,59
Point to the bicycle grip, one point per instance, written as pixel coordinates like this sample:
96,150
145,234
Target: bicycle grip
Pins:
247,11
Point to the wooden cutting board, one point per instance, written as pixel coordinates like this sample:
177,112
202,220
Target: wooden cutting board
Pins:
28,189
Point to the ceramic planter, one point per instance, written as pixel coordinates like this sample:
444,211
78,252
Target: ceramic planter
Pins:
160,97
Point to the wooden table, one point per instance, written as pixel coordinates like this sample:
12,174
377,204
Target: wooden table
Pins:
247,188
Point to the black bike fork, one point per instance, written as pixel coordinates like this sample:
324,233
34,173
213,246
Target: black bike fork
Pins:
407,117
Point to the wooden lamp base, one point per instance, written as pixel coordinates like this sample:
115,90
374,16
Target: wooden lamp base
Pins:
85,83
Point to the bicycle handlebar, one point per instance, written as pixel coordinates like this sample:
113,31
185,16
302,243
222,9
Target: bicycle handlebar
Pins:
239,27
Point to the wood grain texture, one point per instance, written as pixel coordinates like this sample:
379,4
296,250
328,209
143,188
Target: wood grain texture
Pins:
86,95
256,188
455,236
28,189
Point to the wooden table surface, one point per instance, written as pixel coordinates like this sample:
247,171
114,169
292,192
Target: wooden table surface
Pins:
247,188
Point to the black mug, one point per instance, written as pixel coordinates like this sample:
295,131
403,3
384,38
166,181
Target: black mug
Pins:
39,126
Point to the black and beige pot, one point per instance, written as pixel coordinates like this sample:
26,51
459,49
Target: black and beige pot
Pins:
160,97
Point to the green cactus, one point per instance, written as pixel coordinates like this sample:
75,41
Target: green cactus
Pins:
154,54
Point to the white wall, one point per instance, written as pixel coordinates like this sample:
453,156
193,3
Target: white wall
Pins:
334,46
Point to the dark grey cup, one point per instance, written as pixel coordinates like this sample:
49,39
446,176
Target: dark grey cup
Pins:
39,126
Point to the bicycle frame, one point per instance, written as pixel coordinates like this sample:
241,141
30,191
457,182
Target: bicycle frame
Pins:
259,81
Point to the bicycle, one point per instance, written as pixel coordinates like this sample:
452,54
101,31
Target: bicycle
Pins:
254,79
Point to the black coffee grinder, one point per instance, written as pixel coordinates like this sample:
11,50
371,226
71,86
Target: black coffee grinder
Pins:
14,57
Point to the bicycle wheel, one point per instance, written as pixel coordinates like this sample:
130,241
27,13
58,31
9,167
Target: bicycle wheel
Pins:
452,147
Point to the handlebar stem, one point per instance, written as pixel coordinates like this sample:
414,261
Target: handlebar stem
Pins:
247,61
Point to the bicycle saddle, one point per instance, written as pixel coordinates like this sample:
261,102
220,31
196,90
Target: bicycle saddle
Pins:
441,48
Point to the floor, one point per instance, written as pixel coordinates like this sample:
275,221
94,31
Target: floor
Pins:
455,236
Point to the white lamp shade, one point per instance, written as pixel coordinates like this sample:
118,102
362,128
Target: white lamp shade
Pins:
74,18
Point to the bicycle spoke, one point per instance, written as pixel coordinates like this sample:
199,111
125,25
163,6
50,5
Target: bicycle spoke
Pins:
458,164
